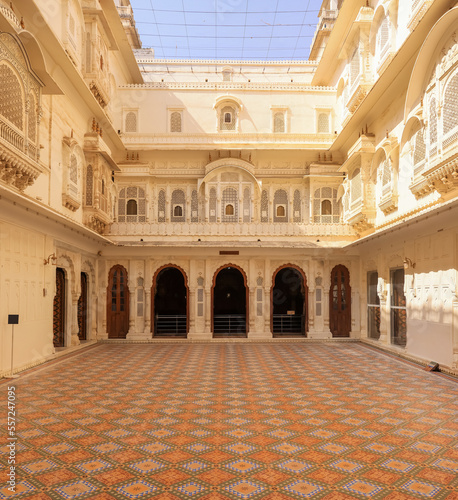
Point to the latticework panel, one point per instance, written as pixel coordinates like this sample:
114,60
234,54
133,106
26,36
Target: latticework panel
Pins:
178,206
131,122
432,122
451,105
194,206
212,205
386,172
175,122
11,100
141,205
383,35
32,120
161,206
355,185
419,152
279,122
246,205
230,205
264,207
323,123
73,169
354,66
297,206
280,206
89,185
122,206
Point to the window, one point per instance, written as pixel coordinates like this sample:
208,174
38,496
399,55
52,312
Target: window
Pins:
132,207
279,122
178,205
175,121
373,306
131,122
323,123
227,119
419,152
280,206
354,66
383,38
451,112
355,186
161,206
89,185
264,207
230,205
227,75
326,207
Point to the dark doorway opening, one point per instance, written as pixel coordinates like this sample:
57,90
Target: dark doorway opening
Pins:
170,306
340,302
230,296
59,310
289,303
117,303
82,309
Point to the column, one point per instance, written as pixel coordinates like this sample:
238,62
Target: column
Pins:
147,305
74,326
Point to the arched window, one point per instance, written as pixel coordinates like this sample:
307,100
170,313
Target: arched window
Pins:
419,152
432,127
178,206
229,209
383,38
279,122
280,206
73,169
451,112
11,97
161,206
131,122
132,207
227,118
175,122
326,207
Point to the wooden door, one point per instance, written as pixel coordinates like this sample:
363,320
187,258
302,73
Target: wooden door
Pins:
117,303
59,310
82,309
340,302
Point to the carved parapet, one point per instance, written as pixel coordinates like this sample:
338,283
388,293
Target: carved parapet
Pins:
70,202
443,177
421,188
418,11
99,93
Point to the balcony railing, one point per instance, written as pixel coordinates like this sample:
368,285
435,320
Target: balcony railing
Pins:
248,229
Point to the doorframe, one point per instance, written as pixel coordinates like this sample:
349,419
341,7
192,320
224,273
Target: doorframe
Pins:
306,297
127,297
64,305
153,294
87,303
348,297
247,295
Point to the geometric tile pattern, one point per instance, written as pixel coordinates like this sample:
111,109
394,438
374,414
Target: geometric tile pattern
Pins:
329,421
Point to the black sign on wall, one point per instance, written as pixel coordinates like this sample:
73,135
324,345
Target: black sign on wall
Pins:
13,319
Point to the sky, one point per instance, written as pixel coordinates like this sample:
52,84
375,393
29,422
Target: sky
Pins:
227,29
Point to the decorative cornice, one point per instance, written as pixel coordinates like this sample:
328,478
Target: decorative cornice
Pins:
219,86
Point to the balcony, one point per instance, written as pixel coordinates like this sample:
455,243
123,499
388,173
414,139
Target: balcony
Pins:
245,232
19,163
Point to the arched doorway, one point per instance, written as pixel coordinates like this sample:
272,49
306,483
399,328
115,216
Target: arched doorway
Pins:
340,302
59,309
289,302
230,302
169,306
82,309
117,303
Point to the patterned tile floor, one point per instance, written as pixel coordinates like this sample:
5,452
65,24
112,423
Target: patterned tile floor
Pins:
233,421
